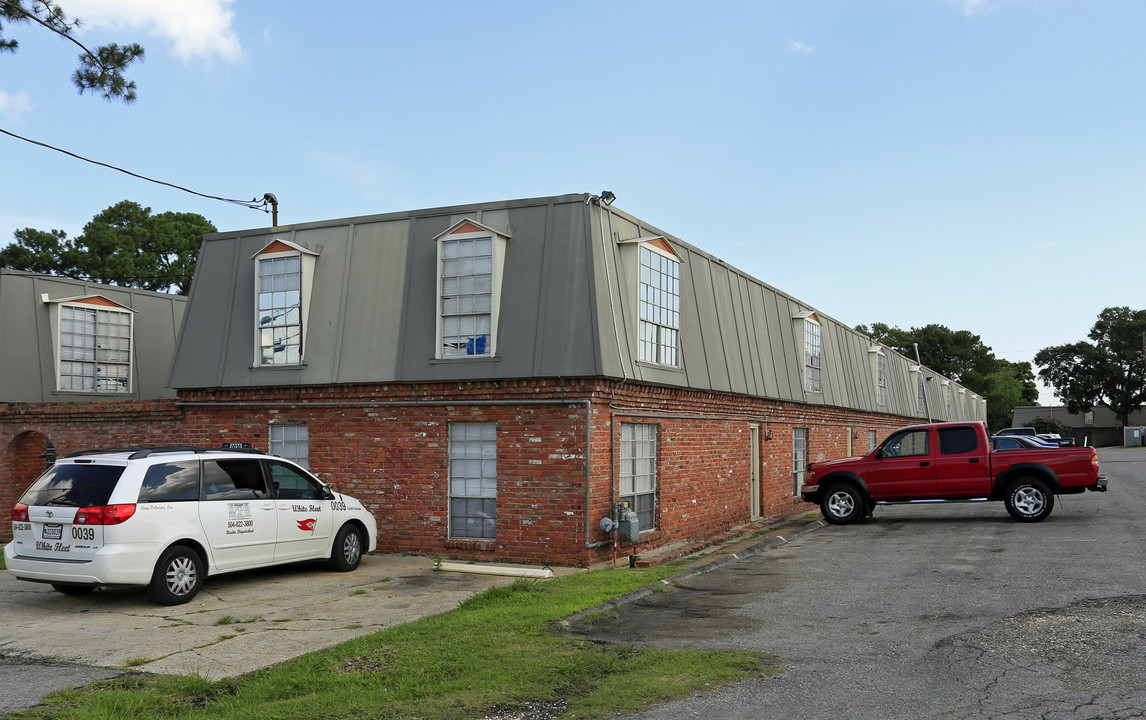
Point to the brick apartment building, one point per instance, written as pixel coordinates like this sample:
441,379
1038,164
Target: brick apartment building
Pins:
492,379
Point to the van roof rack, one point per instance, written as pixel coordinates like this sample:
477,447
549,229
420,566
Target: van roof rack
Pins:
142,452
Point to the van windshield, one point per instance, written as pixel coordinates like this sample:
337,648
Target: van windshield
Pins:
73,486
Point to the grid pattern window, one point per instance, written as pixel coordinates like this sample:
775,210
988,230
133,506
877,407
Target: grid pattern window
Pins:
291,442
799,456
947,396
280,310
813,355
870,440
920,394
881,378
467,296
473,480
659,308
95,350
638,471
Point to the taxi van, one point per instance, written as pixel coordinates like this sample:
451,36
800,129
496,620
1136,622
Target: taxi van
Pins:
165,518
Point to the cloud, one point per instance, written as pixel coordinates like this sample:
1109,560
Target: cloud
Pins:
799,47
197,28
13,107
974,7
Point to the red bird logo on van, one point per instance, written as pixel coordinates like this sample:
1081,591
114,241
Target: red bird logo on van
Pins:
307,525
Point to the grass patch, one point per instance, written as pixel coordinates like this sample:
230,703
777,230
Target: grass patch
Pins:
136,661
359,591
495,651
226,620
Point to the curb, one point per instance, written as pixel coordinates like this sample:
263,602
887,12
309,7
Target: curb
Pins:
716,563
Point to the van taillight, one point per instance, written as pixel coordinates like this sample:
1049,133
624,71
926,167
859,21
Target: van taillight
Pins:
104,514
20,513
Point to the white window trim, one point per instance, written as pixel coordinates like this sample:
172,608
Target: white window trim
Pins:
655,471
801,321
799,474
85,302
877,352
500,242
307,262
650,244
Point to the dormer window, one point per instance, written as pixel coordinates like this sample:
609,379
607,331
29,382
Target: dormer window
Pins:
93,345
809,324
283,272
880,363
470,258
659,304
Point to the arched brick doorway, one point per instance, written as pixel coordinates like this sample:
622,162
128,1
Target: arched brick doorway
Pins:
24,460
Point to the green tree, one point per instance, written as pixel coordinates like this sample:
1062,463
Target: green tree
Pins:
123,245
99,71
1107,371
962,356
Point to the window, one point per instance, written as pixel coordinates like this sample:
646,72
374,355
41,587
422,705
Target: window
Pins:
470,258
870,440
233,480
171,482
284,271
813,355
911,443
467,296
957,440
638,471
947,398
920,395
473,480
881,377
95,349
659,307
280,310
291,442
290,484
799,457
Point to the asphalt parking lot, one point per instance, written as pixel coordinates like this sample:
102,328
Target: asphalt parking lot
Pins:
238,623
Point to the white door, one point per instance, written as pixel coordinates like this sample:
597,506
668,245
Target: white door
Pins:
238,513
304,518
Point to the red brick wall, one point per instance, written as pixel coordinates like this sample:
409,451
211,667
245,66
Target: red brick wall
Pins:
388,446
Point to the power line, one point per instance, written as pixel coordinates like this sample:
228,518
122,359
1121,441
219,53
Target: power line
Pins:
253,204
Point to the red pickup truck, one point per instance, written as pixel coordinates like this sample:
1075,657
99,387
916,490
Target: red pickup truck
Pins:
949,462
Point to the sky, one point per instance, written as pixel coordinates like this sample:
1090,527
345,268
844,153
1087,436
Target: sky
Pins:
973,163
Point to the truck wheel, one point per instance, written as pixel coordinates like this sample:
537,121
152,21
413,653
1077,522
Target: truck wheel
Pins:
1029,500
178,576
842,504
347,550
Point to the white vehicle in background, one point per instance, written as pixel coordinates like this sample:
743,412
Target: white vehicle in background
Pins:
165,518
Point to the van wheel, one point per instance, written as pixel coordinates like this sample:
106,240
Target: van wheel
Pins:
1029,500
842,504
73,589
178,576
347,550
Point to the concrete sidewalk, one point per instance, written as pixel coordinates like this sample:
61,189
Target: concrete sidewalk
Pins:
238,623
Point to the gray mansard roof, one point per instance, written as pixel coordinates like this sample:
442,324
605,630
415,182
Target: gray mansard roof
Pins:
568,308
30,336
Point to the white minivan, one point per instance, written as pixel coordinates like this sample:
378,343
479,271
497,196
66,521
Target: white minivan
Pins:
165,518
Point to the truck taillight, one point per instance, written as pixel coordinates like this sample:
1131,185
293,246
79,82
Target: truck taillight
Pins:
20,513
104,514
1094,461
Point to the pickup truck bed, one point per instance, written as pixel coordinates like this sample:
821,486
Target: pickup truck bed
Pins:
950,462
